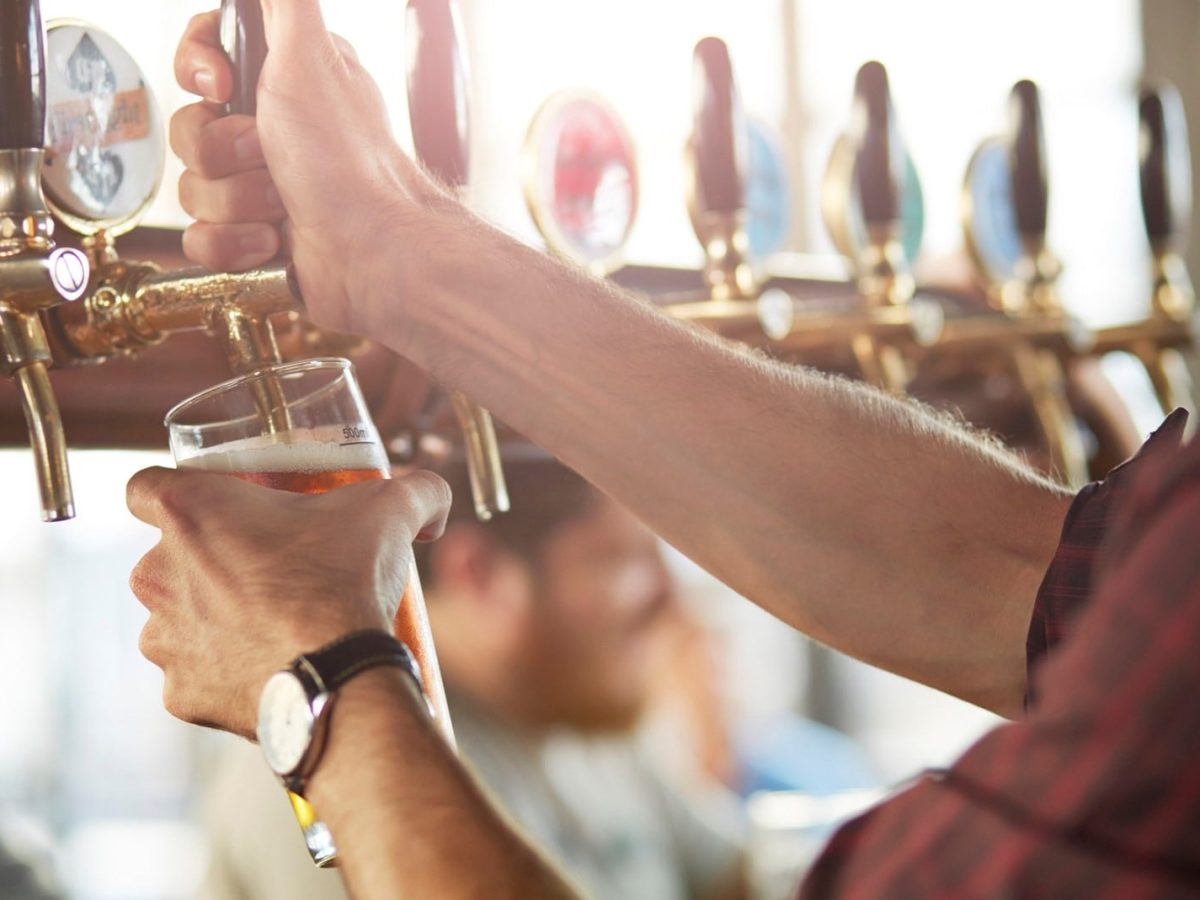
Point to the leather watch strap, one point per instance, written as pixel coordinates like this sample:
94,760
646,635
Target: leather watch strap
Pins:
336,663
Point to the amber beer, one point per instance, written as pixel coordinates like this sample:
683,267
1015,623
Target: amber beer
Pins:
311,467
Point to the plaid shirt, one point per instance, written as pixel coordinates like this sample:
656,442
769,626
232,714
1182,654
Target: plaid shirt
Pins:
1096,793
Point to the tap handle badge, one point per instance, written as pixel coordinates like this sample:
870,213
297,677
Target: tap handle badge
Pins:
22,76
880,171
1165,165
720,135
244,37
1027,158
438,90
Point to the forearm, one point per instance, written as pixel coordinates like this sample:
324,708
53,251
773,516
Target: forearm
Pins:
407,818
866,522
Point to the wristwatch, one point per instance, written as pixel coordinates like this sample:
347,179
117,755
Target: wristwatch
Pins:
295,704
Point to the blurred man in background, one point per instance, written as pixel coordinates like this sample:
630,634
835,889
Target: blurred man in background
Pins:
551,624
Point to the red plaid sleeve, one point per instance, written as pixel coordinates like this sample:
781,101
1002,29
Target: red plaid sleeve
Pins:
1068,583
1097,792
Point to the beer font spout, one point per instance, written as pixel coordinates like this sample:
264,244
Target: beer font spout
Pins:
34,275
438,110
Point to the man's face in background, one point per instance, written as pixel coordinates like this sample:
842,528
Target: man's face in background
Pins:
592,636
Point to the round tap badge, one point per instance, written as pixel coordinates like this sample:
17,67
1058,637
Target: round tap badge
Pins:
581,182
990,214
768,194
104,134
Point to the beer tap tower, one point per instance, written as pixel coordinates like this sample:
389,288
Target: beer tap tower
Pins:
125,307
874,332
1160,341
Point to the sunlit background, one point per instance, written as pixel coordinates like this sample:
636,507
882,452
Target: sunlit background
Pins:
89,764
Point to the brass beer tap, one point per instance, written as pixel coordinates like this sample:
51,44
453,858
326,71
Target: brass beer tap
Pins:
437,103
34,275
881,326
1005,211
1160,341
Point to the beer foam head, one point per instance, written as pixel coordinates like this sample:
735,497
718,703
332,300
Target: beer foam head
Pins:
272,454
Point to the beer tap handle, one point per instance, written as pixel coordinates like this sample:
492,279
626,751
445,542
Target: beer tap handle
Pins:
1027,158
438,99
1166,170
719,136
880,170
22,76
440,116
244,36
718,163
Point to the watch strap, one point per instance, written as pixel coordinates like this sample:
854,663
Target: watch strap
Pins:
333,665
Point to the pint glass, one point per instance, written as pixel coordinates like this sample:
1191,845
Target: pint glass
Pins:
302,427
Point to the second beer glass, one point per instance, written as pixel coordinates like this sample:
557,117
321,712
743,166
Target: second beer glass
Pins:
302,427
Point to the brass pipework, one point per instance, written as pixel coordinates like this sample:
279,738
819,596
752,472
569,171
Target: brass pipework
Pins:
134,305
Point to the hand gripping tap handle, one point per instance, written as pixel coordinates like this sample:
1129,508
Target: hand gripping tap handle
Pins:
33,275
439,113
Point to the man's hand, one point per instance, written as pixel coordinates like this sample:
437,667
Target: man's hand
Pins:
246,578
318,168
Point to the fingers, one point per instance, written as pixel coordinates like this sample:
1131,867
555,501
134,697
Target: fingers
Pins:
179,498
213,145
295,25
201,65
231,248
425,499
248,197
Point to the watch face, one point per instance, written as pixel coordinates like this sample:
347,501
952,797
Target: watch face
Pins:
285,722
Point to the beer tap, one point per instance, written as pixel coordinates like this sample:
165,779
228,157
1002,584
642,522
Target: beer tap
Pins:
1160,340
1005,211
133,305
34,275
862,206
437,102
877,331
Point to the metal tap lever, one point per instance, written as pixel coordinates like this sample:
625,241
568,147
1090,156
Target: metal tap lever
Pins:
718,157
879,171
1027,157
440,118
33,274
248,338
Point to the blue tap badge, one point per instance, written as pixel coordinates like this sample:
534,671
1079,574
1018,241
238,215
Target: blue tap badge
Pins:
105,145
912,211
990,213
768,193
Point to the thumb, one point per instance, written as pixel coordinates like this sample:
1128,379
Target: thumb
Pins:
295,24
